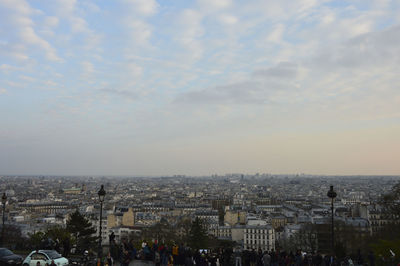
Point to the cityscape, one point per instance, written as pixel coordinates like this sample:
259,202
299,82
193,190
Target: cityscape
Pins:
244,212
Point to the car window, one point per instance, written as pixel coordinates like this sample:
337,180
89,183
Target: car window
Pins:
5,252
53,254
38,256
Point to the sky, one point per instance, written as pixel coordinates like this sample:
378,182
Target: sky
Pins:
147,87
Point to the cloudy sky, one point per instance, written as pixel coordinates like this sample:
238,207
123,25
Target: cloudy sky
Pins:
146,87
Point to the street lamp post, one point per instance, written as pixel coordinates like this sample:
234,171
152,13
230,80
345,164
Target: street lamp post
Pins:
332,195
102,194
3,200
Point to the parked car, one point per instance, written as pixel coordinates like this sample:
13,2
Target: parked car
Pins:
7,257
44,256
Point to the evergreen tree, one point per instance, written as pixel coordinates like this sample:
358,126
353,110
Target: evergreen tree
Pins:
82,231
198,238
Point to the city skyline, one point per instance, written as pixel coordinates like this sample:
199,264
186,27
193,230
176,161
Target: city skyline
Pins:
150,88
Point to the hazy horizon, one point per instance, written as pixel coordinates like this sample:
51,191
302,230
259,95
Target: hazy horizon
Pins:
234,175
199,87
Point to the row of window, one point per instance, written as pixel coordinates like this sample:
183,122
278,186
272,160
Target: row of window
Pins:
258,231
255,236
257,242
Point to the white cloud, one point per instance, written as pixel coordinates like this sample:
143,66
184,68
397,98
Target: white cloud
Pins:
139,31
87,67
88,71
214,5
126,94
228,19
6,68
91,6
134,20
28,35
51,21
328,18
50,84
142,7
134,70
357,26
48,27
189,32
66,7
276,34
19,17
73,12
78,25
20,7
3,91
28,78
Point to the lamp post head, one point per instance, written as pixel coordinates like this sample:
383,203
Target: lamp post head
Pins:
4,199
331,193
101,193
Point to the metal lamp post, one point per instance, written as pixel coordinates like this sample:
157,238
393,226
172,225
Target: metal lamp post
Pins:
332,195
3,200
102,194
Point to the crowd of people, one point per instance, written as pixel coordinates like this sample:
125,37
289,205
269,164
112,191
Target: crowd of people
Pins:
181,255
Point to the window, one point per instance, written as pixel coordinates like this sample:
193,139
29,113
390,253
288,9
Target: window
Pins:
53,254
38,256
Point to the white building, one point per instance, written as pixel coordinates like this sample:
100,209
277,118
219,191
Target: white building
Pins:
49,220
18,218
259,237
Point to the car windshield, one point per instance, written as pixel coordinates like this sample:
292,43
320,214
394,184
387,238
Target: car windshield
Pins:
5,252
53,254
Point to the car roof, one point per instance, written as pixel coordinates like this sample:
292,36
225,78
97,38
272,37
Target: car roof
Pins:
45,251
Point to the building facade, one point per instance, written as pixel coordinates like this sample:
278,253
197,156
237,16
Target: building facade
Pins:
259,237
